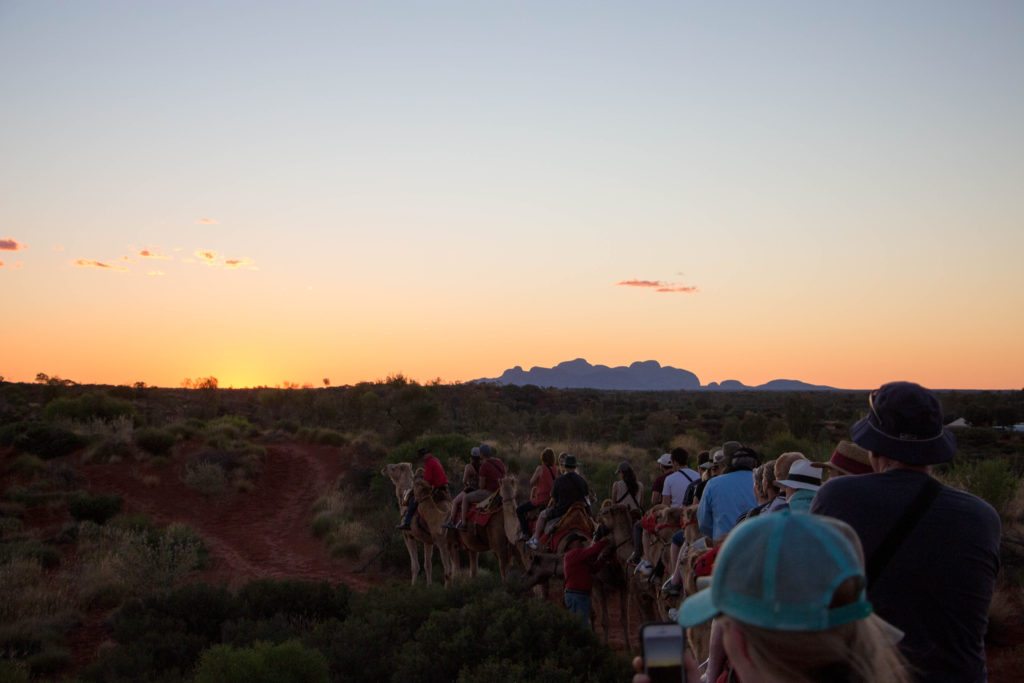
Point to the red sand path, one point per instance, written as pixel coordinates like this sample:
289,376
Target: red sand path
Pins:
265,533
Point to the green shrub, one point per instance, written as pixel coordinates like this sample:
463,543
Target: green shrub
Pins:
288,662
155,441
27,464
991,479
188,429
48,441
13,672
46,555
10,432
263,599
207,478
90,406
96,508
49,660
110,449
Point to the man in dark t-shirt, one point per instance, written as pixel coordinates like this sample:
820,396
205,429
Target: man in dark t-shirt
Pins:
940,573
568,489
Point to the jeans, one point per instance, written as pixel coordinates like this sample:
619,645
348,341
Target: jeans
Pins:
413,504
579,604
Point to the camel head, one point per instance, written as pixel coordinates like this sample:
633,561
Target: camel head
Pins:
507,488
400,475
616,516
421,489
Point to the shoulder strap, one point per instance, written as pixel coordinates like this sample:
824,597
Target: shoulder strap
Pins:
689,479
901,529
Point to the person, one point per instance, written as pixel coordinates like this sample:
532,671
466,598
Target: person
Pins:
782,465
800,485
540,490
674,489
689,498
492,471
847,459
787,595
708,471
933,551
581,561
667,468
470,483
728,495
433,474
639,539
627,490
471,473
568,489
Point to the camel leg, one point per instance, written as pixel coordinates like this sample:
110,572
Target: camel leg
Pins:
624,609
414,559
428,562
473,563
446,562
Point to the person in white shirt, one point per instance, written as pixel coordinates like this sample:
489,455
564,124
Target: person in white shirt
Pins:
676,483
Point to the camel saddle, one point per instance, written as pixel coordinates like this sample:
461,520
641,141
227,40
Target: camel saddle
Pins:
481,513
575,520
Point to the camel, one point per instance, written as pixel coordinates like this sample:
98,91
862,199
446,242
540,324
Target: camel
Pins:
492,537
433,514
619,519
546,566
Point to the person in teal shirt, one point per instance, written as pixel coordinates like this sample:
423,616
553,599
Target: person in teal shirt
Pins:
801,485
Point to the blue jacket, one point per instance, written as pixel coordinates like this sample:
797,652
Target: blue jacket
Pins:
725,498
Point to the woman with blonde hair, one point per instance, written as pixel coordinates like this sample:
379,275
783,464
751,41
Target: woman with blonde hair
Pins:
788,595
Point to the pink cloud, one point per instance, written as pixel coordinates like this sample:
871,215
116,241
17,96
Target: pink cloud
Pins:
659,286
89,263
156,273
242,262
1,264
10,244
149,253
641,283
208,221
206,256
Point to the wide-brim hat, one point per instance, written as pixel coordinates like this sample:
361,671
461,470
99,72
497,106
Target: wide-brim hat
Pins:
802,475
717,459
905,423
847,458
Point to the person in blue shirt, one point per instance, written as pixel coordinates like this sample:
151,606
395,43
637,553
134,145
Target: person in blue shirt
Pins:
728,495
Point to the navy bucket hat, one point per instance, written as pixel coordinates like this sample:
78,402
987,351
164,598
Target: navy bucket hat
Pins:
905,423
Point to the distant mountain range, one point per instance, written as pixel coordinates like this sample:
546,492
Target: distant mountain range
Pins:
647,375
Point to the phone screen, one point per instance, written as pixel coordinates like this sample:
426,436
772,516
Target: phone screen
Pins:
663,652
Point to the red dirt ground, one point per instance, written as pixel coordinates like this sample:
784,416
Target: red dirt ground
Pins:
265,533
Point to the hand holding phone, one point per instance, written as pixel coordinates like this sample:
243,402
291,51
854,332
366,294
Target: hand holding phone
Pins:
662,646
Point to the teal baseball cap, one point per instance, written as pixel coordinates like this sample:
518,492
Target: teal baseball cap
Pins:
780,571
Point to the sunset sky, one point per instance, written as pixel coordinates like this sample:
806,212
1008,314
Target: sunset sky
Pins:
287,191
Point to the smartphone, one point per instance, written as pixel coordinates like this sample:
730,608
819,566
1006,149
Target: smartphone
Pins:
663,652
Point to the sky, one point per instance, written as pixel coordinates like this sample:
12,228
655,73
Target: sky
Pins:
290,191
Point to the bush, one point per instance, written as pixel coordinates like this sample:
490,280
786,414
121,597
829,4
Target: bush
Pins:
205,477
27,464
288,662
46,555
307,600
49,660
991,479
155,441
110,449
94,508
48,441
12,672
91,406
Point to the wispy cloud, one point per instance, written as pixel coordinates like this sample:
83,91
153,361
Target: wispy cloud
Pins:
206,256
640,283
659,286
243,262
153,254
208,221
156,273
11,244
90,263
58,247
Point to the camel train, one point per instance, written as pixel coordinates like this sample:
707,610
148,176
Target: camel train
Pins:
494,527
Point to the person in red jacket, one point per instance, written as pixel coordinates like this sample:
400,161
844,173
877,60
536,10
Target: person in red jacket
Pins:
582,560
433,474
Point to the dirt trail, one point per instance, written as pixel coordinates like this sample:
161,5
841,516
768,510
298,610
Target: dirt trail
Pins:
262,534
